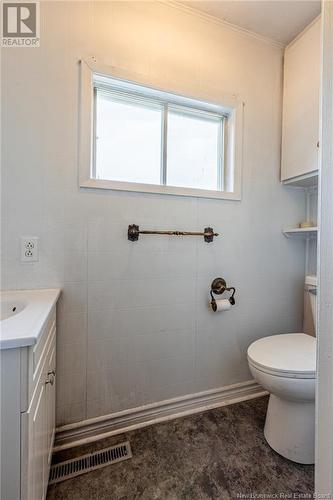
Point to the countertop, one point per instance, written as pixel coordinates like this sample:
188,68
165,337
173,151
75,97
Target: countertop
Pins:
23,329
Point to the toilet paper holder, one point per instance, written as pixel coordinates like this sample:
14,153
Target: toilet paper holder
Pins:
218,287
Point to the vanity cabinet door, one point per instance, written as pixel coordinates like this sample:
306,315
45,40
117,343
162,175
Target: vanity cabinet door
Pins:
50,402
34,431
300,123
38,426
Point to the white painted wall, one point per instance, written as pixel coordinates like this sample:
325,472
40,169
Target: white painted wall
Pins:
134,326
324,389
312,247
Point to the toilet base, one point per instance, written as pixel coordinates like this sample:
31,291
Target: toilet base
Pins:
290,429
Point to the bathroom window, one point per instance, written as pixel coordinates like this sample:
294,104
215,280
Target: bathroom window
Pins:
127,138
137,138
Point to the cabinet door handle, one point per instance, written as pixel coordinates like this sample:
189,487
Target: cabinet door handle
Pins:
50,379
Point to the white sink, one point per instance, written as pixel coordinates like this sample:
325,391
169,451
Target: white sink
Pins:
23,315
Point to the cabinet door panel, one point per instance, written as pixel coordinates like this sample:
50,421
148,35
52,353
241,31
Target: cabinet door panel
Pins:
35,424
300,130
50,402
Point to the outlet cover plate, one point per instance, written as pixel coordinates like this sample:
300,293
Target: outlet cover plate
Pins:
29,248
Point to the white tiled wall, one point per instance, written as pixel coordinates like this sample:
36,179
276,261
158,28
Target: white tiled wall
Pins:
134,325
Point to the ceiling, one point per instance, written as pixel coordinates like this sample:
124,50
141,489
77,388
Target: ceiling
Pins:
278,20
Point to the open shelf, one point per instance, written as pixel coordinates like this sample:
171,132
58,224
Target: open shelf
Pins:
309,180
301,232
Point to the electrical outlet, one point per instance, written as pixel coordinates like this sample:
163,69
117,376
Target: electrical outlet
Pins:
29,249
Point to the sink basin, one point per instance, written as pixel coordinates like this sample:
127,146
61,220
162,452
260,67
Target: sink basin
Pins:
9,308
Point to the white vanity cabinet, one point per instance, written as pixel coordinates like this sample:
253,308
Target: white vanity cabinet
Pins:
28,383
300,124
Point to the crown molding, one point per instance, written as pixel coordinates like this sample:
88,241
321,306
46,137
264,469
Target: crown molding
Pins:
216,20
297,37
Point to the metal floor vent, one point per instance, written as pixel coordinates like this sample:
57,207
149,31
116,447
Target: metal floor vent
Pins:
91,461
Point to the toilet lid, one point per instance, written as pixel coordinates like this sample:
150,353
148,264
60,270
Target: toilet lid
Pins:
289,353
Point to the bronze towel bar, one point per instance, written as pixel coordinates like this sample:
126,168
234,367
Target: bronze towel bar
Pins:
134,231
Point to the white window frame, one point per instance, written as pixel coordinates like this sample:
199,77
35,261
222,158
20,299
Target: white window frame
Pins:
232,110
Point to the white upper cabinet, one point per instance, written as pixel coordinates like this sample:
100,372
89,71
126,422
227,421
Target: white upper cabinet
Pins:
300,127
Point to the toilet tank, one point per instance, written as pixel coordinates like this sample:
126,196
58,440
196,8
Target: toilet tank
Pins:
310,305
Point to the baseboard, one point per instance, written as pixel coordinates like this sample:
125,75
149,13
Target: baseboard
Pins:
94,429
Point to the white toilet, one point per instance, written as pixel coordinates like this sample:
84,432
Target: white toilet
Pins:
285,365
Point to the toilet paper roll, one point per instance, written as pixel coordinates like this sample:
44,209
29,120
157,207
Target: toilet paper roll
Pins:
221,305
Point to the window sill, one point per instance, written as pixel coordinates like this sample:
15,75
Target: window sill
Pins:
158,189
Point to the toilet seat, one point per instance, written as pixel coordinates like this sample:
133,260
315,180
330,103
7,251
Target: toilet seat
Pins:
290,355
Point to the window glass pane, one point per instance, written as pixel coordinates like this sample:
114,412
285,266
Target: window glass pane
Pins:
193,150
128,143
